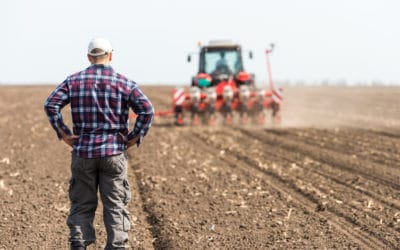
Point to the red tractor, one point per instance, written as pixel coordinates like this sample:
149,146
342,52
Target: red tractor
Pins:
222,92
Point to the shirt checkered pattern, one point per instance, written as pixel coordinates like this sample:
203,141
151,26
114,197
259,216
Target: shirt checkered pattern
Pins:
100,100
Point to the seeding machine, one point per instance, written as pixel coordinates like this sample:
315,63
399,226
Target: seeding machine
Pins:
222,92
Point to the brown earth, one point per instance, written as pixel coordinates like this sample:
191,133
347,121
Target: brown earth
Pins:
328,177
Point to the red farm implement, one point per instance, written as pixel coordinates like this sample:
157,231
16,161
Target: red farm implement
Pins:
222,92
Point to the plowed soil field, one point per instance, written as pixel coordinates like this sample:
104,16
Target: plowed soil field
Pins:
328,177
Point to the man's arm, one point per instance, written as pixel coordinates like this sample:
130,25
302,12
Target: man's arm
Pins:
53,105
144,110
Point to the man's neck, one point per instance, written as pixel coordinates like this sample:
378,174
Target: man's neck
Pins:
101,63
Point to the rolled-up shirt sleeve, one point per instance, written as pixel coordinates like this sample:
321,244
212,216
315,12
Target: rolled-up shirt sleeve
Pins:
144,110
53,105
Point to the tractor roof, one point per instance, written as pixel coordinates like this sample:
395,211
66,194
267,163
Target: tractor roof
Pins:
222,44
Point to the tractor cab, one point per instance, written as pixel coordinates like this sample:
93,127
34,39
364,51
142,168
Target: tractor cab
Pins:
222,92
220,61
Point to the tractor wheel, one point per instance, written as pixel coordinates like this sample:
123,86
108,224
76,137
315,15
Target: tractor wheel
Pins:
276,114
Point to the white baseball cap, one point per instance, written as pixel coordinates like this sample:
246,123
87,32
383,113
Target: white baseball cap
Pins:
99,43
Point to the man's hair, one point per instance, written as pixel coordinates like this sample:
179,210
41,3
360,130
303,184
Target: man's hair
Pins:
96,58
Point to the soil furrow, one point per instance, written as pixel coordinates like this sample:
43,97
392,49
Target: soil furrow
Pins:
335,177
327,172
340,205
154,223
237,198
350,141
341,221
387,134
360,206
344,162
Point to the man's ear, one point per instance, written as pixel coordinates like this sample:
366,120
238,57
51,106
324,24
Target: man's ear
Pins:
90,58
110,57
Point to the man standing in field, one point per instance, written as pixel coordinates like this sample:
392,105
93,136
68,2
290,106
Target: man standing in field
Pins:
100,100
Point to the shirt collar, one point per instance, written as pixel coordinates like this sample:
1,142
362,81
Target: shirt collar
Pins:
100,66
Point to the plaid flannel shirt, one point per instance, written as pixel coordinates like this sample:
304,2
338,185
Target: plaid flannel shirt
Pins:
100,100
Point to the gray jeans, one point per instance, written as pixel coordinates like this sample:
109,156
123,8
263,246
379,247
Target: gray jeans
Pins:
109,175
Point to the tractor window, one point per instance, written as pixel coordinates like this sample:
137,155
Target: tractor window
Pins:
227,61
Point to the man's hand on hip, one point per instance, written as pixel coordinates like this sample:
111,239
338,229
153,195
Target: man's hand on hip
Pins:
132,142
68,139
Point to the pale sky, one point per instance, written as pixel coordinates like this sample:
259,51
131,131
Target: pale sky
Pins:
44,41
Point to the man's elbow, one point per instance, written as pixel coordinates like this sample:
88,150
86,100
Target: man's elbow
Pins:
48,107
150,114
